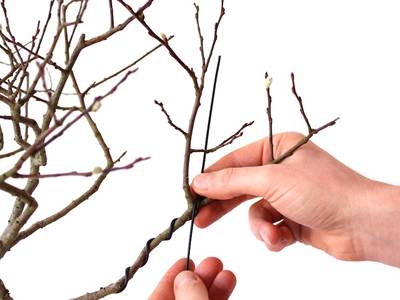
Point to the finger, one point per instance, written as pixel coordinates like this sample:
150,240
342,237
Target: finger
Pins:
215,210
262,217
209,269
257,153
264,181
250,155
222,286
188,285
165,288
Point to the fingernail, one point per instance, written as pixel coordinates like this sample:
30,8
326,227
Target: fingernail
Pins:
265,238
184,278
201,182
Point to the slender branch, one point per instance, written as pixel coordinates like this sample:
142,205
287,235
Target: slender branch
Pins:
44,30
227,141
268,81
201,38
11,153
300,103
45,88
303,141
110,4
8,29
170,122
27,121
106,35
214,41
95,171
4,293
1,138
78,20
140,17
96,84
7,50
46,61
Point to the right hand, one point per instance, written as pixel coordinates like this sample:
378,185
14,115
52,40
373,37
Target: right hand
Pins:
310,197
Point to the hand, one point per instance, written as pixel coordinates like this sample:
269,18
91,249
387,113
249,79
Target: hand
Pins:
206,282
310,197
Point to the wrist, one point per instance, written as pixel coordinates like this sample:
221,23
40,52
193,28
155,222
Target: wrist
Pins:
378,229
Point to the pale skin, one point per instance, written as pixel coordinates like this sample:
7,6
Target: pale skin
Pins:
310,198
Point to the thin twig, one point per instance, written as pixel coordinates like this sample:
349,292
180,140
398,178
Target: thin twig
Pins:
201,38
110,4
140,17
4,293
269,113
227,141
96,84
8,29
303,141
170,122
11,153
95,171
303,113
44,30
120,27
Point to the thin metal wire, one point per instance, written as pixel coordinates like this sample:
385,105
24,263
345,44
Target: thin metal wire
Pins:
198,200
147,250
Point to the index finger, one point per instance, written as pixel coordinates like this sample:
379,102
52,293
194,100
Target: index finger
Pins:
253,154
257,153
165,289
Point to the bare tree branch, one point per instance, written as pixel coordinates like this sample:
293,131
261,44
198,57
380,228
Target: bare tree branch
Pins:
4,293
96,84
303,141
119,27
201,38
170,122
300,103
110,4
227,141
268,81
95,171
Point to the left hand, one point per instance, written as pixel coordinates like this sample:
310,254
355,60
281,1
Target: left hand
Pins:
206,282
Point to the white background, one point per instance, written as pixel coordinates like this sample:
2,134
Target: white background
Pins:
345,55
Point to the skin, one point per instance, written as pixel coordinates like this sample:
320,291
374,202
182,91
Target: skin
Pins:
310,198
207,281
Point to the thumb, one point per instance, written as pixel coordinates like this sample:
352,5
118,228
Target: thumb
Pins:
230,183
188,285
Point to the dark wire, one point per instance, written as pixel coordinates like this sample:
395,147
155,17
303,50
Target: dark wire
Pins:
198,200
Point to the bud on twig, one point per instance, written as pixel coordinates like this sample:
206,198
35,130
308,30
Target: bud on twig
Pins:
97,170
268,81
164,37
96,106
